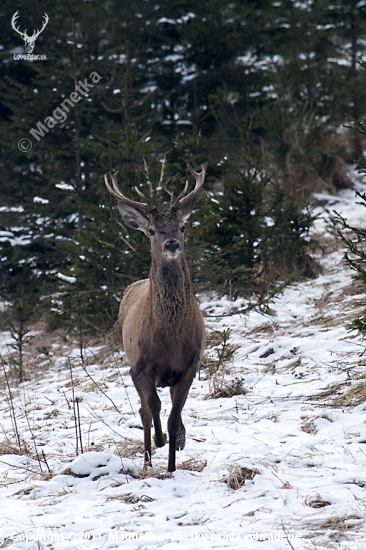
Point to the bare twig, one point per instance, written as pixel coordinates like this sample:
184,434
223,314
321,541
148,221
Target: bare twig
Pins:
74,409
13,417
124,385
45,461
67,401
79,425
100,389
100,419
288,540
32,437
19,467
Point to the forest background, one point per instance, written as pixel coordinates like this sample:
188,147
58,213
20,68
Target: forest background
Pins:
259,90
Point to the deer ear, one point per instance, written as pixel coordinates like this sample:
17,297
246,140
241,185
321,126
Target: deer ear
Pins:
133,217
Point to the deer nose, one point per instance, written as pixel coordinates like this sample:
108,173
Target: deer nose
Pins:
172,245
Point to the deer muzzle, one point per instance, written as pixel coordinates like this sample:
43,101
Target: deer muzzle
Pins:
172,248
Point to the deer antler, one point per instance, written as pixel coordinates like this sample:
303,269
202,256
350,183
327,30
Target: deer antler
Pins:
117,193
13,22
182,200
37,33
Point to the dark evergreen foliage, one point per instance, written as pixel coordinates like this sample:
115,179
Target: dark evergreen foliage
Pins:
176,81
255,232
354,238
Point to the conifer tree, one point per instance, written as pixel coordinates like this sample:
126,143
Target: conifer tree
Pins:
255,232
175,81
78,133
354,239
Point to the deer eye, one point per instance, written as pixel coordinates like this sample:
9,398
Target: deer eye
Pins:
183,228
151,231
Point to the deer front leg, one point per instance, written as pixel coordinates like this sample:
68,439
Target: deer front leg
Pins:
146,418
181,435
146,424
154,404
176,428
150,410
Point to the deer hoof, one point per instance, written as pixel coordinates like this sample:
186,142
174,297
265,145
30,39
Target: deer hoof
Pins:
160,441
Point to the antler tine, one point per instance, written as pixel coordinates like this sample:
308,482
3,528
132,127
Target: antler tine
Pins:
46,19
108,186
117,193
182,193
15,17
144,197
13,23
200,178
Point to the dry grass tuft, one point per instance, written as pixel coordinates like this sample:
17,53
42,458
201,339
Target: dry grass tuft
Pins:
269,327
309,426
156,472
343,523
24,492
69,472
340,525
51,414
193,465
130,498
238,475
344,394
334,390
8,541
214,338
130,447
356,395
316,502
7,447
98,447
220,388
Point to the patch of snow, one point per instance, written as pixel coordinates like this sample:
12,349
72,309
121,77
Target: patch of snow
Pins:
64,186
66,278
308,451
40,200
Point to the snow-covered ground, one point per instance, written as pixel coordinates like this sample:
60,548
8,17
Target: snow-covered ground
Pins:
299,432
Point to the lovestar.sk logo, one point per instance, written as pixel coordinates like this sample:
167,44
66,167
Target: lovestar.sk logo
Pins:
29,41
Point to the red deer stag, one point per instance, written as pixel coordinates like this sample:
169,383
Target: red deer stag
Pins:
162,327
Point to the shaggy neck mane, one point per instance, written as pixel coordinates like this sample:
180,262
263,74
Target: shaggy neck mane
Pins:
171,291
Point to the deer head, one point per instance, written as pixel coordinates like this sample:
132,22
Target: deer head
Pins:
165,230
28,40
